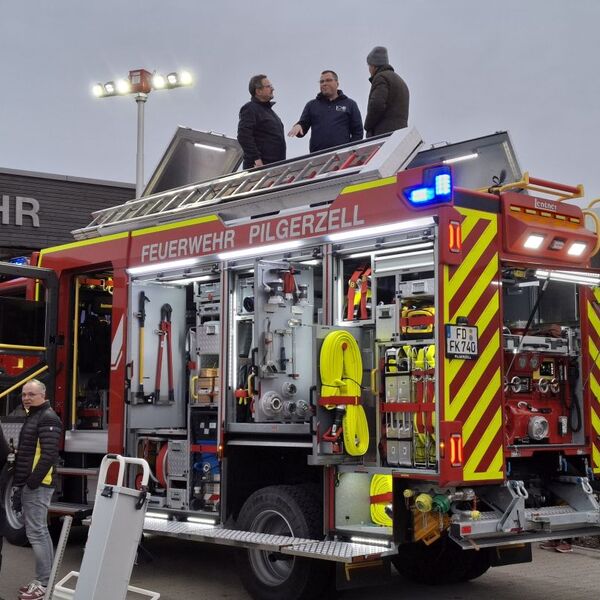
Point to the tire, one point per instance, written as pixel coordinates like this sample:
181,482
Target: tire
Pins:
12,525
440,563
290,511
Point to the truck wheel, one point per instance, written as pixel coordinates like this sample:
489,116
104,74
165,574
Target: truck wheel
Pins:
12,525
440,563
289,511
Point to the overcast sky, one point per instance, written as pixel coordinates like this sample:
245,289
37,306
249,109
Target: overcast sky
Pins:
473,67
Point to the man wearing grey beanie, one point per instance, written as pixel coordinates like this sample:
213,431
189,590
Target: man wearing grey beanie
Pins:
387,108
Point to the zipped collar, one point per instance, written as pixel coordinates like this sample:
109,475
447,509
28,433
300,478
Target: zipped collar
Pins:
35,409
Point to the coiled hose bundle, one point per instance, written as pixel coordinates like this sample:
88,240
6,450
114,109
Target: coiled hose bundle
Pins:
341,374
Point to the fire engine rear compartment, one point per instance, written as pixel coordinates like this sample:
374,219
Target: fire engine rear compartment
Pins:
406,391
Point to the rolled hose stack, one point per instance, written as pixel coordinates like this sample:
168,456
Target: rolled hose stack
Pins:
341,373
380,485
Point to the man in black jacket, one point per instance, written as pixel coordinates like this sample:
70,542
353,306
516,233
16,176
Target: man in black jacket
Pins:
335,119
260,130
34,467
387,108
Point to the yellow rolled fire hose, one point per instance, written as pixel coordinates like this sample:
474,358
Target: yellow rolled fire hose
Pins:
380,484
341,375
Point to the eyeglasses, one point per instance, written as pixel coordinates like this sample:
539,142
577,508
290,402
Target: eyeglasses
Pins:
267,86
31,394
326,80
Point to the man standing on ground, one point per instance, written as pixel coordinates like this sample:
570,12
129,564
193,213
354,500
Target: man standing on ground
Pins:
34,466
260,130
335,119
387,109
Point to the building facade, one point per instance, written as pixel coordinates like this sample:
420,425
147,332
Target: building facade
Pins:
40,209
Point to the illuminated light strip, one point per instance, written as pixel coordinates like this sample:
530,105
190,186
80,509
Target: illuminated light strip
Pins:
187,280
258,250
450,161
370,541
201,520
155,515
207,147
165,266
578,277
380,229
401,267
377,253
402,255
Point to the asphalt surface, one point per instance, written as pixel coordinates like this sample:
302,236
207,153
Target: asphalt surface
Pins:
182,570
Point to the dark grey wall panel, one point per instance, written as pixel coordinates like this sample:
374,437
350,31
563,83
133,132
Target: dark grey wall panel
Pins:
38,210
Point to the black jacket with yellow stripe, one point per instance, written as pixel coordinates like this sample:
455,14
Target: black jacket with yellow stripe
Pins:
38,447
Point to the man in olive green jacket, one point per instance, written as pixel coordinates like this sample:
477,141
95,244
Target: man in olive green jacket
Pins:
387,109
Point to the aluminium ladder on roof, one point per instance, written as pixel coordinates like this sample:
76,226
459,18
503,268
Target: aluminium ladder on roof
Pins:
352,163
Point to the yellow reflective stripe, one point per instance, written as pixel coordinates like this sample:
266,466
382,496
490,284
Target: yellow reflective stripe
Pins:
596,459
484,359
482,448
494,472
369,185
469,221
482,323
81,244
594,387
593,317
477,290
482,405
168,226
471,260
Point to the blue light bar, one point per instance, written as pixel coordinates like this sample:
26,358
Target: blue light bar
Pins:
443,184
436,187
423,194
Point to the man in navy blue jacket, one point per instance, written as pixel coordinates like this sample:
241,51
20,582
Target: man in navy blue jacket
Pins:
335,119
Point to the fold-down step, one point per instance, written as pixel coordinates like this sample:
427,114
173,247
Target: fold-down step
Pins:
336,551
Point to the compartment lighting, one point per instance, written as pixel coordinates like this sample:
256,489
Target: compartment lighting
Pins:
576,249
534,241
165,266
157,515
380,229
259,250
185,280
450,161
377,253
591,279
369,541
404,267
208,147
201,520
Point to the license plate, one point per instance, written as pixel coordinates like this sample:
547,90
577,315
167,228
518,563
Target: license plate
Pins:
461,342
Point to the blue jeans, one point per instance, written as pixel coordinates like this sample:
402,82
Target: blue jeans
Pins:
35,512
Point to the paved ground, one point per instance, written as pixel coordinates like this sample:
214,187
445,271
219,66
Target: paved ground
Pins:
188,570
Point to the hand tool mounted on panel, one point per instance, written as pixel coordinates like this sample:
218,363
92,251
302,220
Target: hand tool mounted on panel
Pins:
141,316
164,333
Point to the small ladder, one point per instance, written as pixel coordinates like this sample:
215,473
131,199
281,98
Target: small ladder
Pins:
344,160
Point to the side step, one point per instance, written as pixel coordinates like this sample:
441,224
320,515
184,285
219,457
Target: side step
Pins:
342,552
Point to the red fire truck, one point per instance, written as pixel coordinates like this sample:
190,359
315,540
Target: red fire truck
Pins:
374,354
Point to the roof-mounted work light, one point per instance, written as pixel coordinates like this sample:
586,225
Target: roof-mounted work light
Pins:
140,83
436,187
